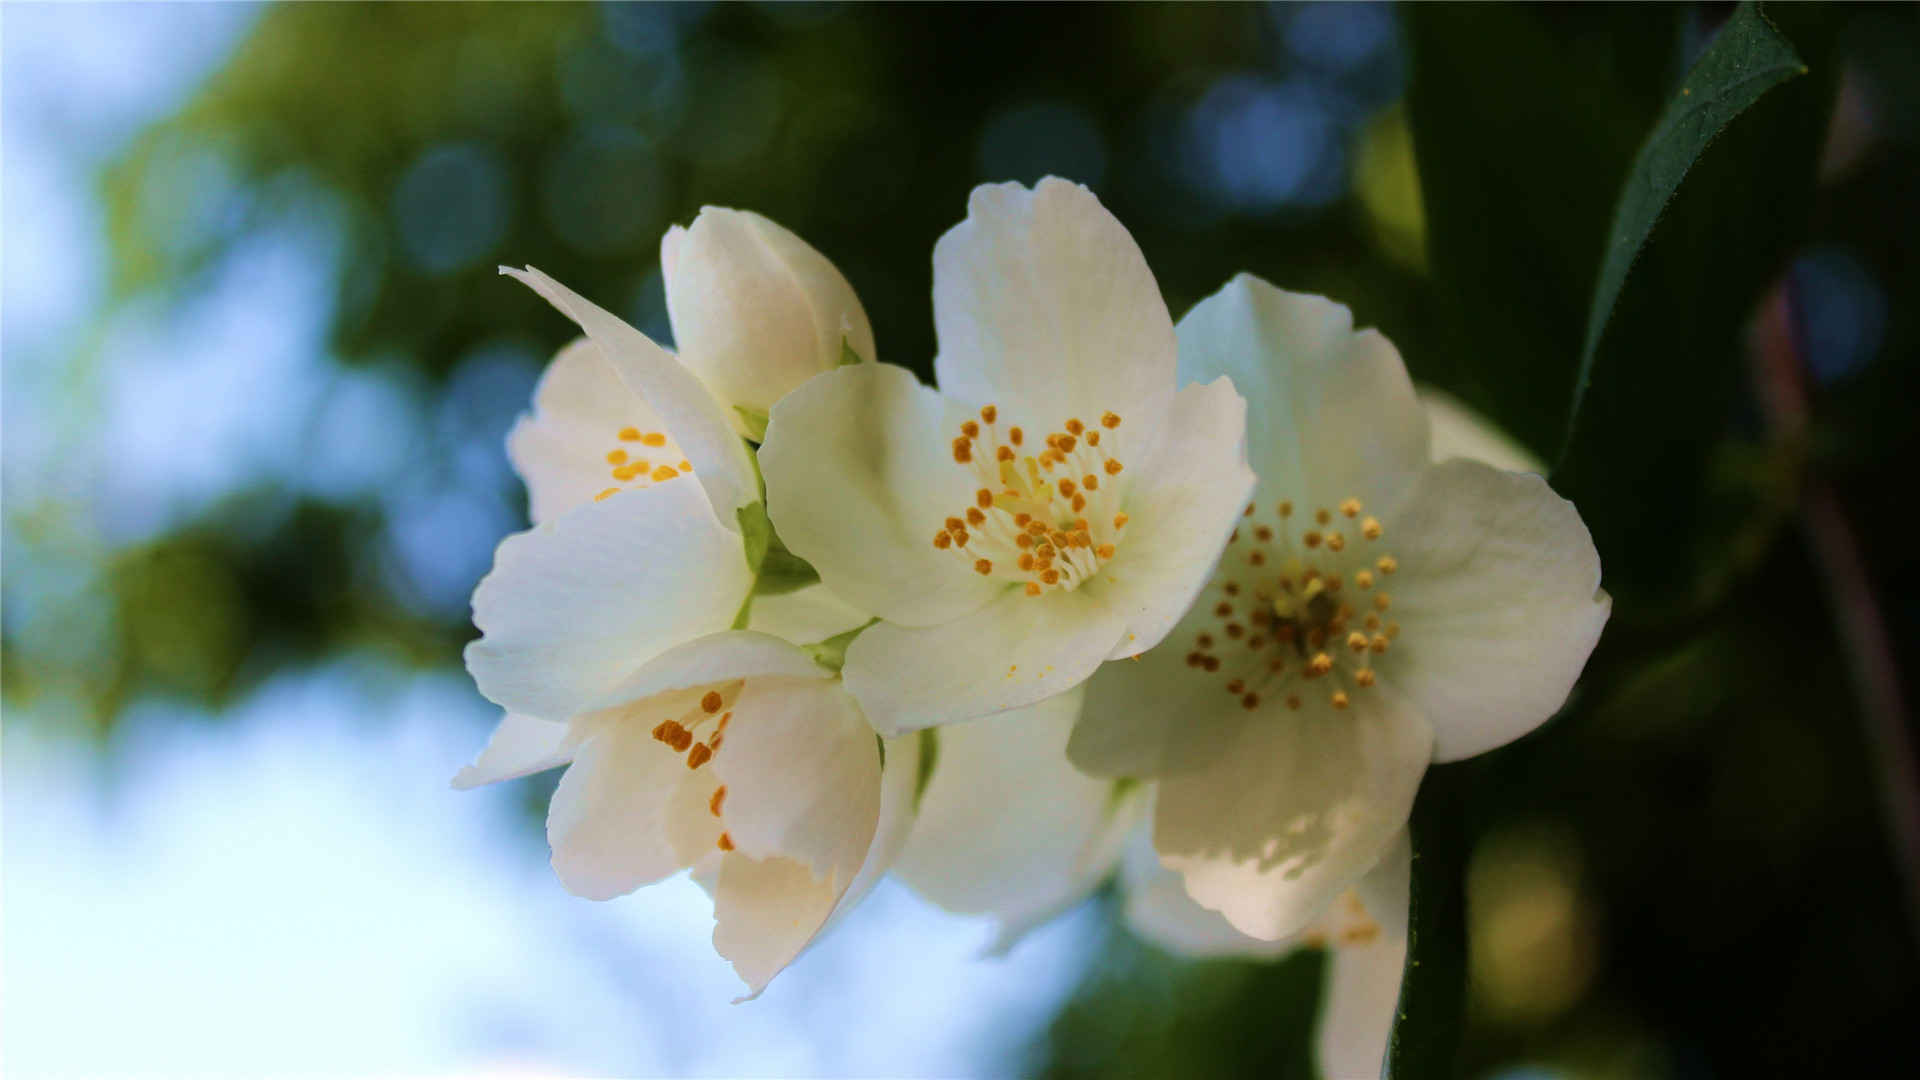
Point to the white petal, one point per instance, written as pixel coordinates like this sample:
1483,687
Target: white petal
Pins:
608,821
765,911
1333,413
702,425
1016,651
573,606
805,615
1045,307
1387,890
899,777
1007,828
1357,1008
721,657
1460,432
1302,805
1153,715
520,746
1159,910
560,447
1181,508
860,475
756,312
1499,595
802,770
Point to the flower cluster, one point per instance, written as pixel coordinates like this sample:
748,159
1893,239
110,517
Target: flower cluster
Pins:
1194,605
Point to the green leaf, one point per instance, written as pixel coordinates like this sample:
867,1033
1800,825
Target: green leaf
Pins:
781,571
1525,120
1425,1042
1670,355
1747,58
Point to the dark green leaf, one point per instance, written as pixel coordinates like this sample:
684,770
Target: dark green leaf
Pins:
1426,1026
1747,58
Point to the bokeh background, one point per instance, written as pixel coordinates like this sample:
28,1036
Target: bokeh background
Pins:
258,369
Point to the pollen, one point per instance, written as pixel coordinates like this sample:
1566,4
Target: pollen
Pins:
1340,700
699,755
1045,512
1350,507
629,434
1387,564
1320,664
1364,676
719,796
711,702
1357,641
1370,528
1109,420
616,457
653,438
725,843
664,472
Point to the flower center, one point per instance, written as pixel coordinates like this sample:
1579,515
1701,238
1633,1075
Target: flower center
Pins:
1049,519
679,733
642,459
1300,609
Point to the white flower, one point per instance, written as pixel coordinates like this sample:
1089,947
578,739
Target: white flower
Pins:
1007,828
735,756
1374,612
1364,933
1054,505
755,311
627,558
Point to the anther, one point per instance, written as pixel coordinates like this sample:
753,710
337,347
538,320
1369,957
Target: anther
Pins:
725,842
664,472
682,738
1323,515
1336,542
1364,676
1113,466
1109,420
1119,521
699,755
628,434
653,438
1075,427
1311,539
1363,578
1090,482
983,566
942,541
962,450
1105,551
1357,641
975,517
1350,507
1250,702
719,796
1340,699
1382,601
1319,665
1387,564
1286,508
1015,435
989,413
607,494
970,429
1262,533
616,457
983,499
1370,528
710,703
1004,453
1379,643
1033,589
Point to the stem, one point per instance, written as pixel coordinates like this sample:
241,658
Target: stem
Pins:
1780,384
1425,1043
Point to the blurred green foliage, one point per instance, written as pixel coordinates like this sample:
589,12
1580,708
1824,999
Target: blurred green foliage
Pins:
1710,799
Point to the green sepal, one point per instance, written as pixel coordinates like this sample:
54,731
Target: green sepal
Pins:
848,357
781,571
832,652
755,421
929,755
